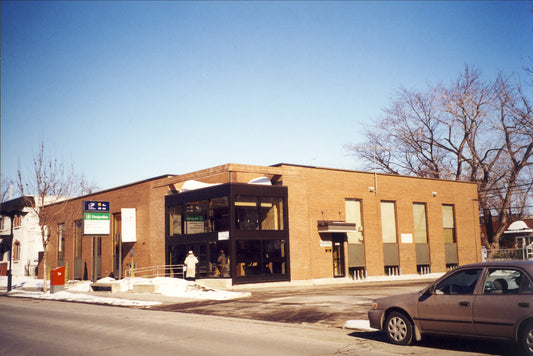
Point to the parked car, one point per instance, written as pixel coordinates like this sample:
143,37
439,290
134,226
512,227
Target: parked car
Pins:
492,300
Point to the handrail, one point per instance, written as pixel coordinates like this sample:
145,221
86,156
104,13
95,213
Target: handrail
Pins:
156,271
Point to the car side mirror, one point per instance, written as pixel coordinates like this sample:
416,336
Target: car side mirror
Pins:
426,294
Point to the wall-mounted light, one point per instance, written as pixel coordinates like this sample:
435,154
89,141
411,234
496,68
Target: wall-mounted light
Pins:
371,189
434,194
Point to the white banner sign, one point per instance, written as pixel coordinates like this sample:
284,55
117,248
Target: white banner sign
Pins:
129,225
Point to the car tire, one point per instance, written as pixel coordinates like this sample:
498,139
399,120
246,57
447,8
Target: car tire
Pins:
526,339
399,329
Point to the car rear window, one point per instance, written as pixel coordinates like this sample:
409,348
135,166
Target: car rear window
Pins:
507,281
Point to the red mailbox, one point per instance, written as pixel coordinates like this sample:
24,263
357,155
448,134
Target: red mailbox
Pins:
57,279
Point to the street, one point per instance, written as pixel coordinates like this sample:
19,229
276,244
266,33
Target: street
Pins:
30,327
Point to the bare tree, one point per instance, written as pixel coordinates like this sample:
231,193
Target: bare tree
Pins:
472,130
51,182
6,187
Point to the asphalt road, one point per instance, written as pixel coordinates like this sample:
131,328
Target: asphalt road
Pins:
331,306
327,305
43,327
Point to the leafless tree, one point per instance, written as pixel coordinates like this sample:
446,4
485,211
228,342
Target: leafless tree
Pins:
50,183
473,130
6,186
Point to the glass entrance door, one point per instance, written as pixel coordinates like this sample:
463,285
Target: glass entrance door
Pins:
338,255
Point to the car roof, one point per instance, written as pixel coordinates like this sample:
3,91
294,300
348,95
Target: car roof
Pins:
528,265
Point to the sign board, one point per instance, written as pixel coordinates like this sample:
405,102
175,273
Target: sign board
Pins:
129,225
326,243
223,235
96,206
194,224
96,223
407,238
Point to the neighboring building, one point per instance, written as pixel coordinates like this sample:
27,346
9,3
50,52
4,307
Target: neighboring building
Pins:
518,234
276,223
26,243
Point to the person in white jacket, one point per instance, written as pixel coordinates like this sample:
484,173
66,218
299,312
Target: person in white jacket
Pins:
190,262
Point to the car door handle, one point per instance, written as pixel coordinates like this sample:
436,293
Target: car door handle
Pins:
464,304
523,305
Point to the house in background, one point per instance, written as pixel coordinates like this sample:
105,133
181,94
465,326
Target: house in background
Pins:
26,243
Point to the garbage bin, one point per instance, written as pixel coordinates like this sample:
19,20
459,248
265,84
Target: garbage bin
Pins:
57,279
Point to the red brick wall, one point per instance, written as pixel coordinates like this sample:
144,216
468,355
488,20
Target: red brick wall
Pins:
314,194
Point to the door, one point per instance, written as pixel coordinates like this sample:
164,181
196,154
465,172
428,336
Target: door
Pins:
450,308
97,258
338,255
506,298
78,239
117,246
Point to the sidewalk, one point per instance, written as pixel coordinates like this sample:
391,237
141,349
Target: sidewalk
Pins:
175,291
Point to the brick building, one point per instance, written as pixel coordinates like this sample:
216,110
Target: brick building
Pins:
276,223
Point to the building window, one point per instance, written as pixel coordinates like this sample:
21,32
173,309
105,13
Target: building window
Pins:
271,213
61,241
260,257
246,213
17,221
388,222
255,213
174,220
353,215
16,251
420,223
448,223
197,217
2,222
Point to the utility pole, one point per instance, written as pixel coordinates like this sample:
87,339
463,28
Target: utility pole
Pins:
374,149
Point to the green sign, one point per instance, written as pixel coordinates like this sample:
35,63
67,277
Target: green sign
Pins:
96,223
97,216
194,218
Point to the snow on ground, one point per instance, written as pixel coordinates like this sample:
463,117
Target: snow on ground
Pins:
358,324
169,287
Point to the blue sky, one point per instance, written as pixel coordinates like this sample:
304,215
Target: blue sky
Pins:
130,90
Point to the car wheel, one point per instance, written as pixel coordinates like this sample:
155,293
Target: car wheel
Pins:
526,339
399,329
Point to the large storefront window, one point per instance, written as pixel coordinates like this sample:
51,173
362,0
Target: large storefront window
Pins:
260,257
254,213
198,217
246,213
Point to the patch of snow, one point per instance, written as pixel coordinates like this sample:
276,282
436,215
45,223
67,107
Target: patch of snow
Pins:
74,291
358,324
84,298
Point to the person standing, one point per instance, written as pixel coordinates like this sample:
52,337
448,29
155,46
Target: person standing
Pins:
190,263
221,261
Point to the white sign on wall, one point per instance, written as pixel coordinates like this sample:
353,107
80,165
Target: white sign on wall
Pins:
407,238
223,235
129,225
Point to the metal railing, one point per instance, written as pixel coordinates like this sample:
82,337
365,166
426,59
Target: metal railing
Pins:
508,254
177,271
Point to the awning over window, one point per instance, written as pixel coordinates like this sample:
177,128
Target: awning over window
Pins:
326,226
